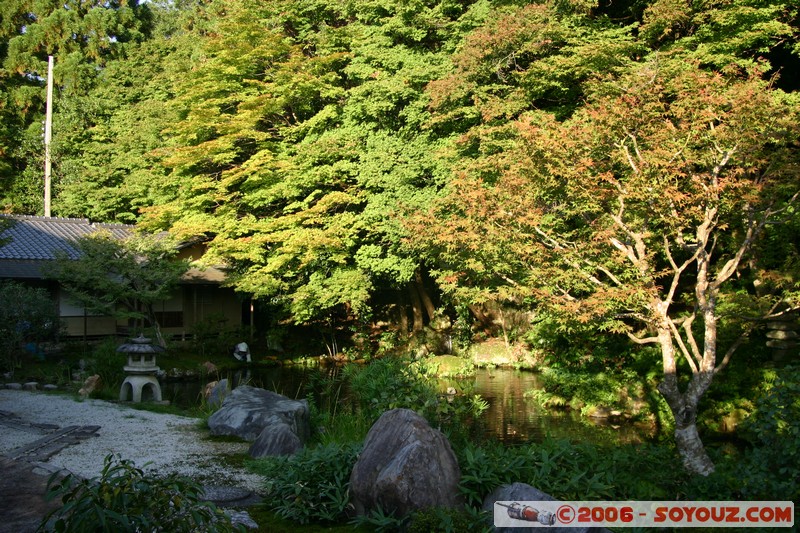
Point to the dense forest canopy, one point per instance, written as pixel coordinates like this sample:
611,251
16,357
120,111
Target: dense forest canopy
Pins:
295,135
630,165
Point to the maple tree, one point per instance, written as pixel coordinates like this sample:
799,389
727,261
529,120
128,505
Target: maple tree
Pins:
632,214
301,133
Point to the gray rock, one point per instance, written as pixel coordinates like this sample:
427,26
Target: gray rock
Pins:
241,518
226,496
405,466
522,492
50,387
31,385
247,410
14,386
277,438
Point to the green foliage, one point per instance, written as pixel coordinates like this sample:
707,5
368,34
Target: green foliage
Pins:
128,499
311,486
332,418
121,277
388,383
213,337
392,383
380,521
771,470
107,363
27,316
586,390
442,520
432,520
570,471
82,38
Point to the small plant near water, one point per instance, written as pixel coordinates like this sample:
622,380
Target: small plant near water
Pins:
127,499
392,383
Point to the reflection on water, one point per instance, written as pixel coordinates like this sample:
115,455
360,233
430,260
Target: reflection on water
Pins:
511,417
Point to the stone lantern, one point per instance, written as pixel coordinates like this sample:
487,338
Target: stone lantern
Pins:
141,369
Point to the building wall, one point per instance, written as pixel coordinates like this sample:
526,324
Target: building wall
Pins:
219,307
177,316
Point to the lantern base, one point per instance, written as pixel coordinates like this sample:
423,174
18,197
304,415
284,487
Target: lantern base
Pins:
133,386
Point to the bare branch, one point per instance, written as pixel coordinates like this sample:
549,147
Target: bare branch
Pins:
678,271
684,351
726,156
589,277
687,328
624,147
645,340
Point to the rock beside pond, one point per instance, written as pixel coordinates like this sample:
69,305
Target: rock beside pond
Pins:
247,411
405,466
521,493
277,438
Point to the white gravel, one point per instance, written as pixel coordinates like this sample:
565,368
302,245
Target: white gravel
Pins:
170,443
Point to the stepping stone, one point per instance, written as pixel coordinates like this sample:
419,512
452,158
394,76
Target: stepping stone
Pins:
44,448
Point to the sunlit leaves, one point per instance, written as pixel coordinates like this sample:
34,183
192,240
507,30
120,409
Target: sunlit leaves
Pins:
596,212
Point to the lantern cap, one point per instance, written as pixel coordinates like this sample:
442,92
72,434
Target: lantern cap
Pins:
140,344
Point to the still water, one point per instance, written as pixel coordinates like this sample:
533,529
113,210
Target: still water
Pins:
511,417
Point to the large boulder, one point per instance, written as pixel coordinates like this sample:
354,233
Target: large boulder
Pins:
520,493
405,466
247,411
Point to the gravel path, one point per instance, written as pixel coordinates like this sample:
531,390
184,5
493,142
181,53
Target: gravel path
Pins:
170,443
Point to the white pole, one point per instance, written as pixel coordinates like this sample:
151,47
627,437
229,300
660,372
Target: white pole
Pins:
48,135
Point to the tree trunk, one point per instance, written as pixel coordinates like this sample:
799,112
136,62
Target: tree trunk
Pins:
427,303
151,316
416,308
402,315
683,406
693,453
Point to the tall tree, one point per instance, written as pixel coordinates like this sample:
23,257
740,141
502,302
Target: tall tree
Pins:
624,202
82,36
633,214
298,145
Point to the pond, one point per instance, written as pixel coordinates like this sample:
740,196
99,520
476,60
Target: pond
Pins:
511,417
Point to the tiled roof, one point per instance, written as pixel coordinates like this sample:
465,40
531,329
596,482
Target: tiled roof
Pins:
29,240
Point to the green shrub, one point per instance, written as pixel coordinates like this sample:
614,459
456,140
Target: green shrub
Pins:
623,390
27,315
109,364
572,471
379,521
214,337
126,499
385,384
392,383
311,486
770,469
442,520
